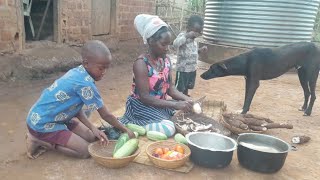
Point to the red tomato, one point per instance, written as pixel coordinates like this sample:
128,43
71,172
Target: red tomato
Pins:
179,149
165,150
180,156
159,151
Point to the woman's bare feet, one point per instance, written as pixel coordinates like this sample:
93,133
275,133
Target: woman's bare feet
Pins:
36,147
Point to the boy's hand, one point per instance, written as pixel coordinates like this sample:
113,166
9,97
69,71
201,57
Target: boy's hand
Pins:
192,35
101,136
203,49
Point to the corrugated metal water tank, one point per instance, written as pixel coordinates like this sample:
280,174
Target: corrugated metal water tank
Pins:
259,23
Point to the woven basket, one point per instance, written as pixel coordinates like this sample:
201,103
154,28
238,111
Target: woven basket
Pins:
103,155
236,130
167,164
211,114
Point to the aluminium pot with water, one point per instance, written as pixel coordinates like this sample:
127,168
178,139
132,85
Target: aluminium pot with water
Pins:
262,153
211,150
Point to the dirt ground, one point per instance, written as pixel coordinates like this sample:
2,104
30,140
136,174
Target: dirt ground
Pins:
278,99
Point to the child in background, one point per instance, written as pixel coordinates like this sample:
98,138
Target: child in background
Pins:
57,122
188,53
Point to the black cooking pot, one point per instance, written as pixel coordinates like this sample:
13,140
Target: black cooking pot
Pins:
211,150
262,153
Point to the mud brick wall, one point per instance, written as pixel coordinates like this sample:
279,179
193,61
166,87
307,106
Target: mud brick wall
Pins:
76,17
127,11
75,20
10,29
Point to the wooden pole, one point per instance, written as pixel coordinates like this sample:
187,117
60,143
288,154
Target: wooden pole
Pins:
157,5
42,20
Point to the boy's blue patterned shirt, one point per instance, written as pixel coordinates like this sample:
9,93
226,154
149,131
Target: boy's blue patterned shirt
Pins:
60,102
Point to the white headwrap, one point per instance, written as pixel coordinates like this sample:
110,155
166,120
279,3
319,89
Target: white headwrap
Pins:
147,25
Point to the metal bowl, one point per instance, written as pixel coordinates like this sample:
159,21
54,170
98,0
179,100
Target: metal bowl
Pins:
211,150
262,153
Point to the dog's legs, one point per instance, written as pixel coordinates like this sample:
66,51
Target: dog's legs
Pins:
304,83
251,87
312,85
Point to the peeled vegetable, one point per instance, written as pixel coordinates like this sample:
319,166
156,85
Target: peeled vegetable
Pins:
127,149
180,138
136,134
197,108
136,128
120,142
156,136
300,139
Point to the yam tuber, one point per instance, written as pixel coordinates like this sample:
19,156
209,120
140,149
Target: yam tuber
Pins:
237,123
278,125
257,128
300,139
253,121
228,116
257,117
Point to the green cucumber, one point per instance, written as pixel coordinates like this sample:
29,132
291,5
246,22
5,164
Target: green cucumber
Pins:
156,136
120,142
180,138
136,128
127,149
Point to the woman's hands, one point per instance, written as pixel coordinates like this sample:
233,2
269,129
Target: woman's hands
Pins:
185,106
130,133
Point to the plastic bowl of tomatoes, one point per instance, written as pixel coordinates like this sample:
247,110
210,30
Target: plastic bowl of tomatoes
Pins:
168,154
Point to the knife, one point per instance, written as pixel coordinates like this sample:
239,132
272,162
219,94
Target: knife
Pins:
200,100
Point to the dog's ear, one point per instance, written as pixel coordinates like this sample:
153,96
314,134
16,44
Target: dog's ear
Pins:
223,66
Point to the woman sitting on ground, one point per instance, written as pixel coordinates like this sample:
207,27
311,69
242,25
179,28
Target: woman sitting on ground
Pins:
148,105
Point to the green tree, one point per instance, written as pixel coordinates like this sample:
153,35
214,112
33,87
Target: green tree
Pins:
316,28
197,5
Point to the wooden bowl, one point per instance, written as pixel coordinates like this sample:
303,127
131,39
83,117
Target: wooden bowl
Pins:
103,155
167,164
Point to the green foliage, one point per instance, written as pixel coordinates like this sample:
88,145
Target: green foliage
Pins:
316,28
197,5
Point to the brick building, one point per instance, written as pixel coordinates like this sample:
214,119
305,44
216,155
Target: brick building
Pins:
70,21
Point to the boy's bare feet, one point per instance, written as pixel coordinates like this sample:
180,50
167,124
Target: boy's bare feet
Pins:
36,147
